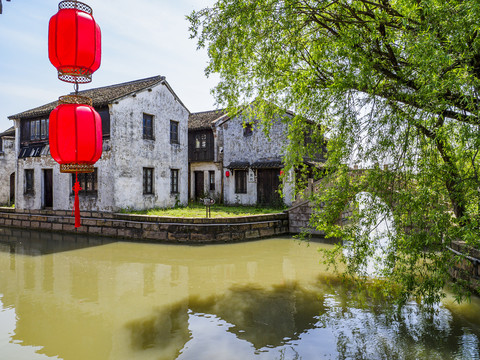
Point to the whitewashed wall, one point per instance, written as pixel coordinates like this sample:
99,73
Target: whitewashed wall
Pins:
206,166
125,154
62,185
7,167
131,153
256,147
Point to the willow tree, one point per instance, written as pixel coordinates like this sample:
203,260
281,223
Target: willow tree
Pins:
395,84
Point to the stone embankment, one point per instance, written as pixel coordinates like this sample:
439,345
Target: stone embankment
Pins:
150,228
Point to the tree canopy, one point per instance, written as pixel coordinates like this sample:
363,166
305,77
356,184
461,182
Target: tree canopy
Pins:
394,84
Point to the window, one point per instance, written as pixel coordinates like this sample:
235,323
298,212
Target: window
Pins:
248,129
88,183
201,141
43,129
174,181
211,180
148,126
147,181
29,189
174,132
240,181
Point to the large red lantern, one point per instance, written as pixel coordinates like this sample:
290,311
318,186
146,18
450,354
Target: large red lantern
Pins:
74,42
75,136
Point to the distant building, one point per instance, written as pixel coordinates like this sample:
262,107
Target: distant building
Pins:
204,156
144,162
233,160
7,167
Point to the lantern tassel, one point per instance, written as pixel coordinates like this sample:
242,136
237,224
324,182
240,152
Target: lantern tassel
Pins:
76,204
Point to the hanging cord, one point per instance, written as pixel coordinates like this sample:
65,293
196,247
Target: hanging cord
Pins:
75,87
76,204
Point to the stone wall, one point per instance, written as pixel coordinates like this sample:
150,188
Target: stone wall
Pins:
469,268
299,219
150,228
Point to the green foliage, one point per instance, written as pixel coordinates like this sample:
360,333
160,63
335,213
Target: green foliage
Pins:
198,210
390,82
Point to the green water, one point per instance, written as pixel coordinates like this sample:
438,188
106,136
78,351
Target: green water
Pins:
66,297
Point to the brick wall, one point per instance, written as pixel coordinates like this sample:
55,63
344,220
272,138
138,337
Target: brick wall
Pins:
149,228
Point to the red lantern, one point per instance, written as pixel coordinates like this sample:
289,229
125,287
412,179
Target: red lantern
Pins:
75,136
74,42
227,173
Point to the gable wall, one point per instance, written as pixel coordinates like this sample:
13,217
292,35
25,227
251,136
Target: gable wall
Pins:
131,153
258,146
7,166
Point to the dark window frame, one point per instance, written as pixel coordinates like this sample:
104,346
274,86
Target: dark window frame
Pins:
174,177
240,181
148,181
174,126
148,129
29,184
248,129
211,180
88,183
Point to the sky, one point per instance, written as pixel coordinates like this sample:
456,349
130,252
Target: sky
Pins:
140,39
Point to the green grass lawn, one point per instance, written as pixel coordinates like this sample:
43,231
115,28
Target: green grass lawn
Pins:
217,211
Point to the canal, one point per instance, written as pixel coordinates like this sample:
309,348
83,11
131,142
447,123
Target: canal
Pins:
71,297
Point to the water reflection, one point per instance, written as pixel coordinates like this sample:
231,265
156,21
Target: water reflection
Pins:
269,299
34,243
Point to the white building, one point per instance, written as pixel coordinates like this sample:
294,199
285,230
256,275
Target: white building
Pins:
234,161
144,162
7,167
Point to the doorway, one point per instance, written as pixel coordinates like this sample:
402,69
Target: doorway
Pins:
12,188
267,186
199,185
47,188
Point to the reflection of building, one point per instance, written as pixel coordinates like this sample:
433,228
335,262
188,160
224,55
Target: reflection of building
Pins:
115,301
7,167
142,301
144,160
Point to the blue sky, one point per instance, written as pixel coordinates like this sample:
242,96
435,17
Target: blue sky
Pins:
140,38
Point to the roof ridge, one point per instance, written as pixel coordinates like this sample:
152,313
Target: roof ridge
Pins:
208,111
159,77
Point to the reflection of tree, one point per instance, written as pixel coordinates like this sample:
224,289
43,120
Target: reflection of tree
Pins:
264,317
165,333
367,327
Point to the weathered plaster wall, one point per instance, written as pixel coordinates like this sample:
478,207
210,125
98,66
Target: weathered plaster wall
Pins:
62,184
131,153
206,167
7,167
256,147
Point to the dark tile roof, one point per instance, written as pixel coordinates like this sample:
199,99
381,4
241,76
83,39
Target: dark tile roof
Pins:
238,165
8,132
204,119
267,164
101,96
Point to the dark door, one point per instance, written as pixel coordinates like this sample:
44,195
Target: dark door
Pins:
47,188
267,186
199,184
12,188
